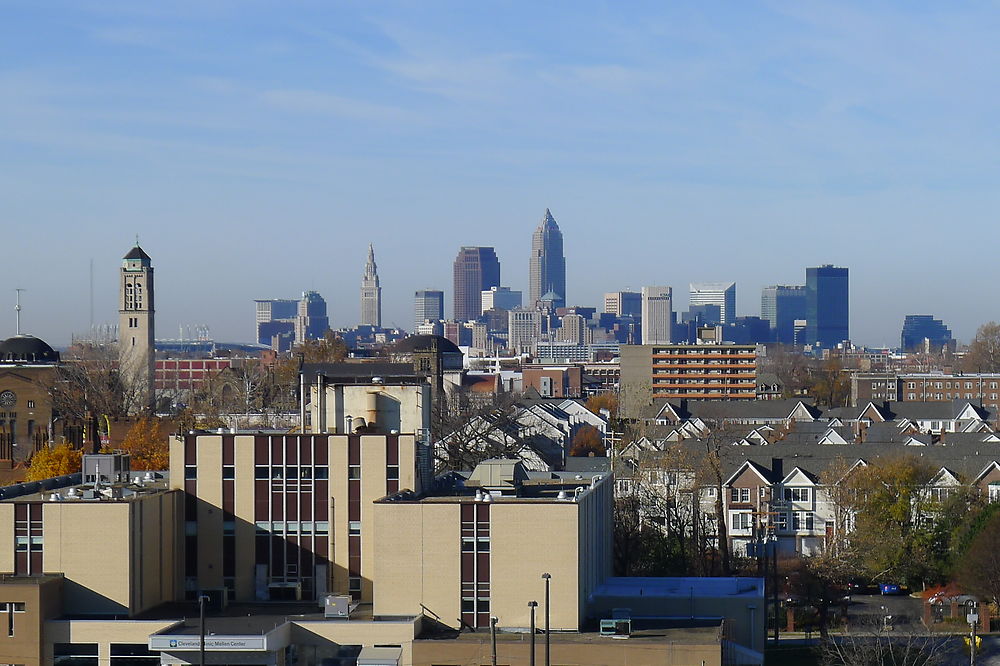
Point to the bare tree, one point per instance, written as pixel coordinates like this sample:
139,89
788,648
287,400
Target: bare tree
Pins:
983,354
468,430
873,644
88,383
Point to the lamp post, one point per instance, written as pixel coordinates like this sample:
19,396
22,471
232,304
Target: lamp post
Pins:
493,640
548,647
531,657
201,629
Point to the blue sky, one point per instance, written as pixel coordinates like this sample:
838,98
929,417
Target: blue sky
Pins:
258,147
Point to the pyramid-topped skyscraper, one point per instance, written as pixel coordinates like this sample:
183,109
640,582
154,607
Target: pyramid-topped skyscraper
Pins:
547,265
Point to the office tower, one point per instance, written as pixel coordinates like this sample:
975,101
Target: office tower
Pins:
921,330
136,328
312,321
476,270
500,298
827,306
781,305
275,317
371,293
657,315
623,303
547,264
427,304
524,328
572,329
722,294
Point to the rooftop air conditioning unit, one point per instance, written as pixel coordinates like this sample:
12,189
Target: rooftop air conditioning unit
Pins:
337,606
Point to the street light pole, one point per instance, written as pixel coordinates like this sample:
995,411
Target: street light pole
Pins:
201,629
531,657
547,578
493,640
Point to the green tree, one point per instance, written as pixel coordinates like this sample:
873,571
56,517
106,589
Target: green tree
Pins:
979,569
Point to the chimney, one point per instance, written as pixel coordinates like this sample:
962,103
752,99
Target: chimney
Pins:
778,468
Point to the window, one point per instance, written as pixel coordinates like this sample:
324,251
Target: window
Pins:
741,520
741,495
354,583
322,472
392,473
31,404
797,494
781,521
354,528
353,472
260,472
802,520
190,472
228,472
74,654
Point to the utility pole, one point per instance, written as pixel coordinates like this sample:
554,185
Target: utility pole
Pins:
547,579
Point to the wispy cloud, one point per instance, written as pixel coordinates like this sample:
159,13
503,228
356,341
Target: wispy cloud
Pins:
324,103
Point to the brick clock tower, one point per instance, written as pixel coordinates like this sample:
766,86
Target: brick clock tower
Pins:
136,328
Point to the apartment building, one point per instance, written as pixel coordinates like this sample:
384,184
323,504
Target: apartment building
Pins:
692,372
981,388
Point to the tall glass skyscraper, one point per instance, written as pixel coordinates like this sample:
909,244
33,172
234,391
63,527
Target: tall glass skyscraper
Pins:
427,304
547,264
781,305
476,269
918,328
722,294
827,306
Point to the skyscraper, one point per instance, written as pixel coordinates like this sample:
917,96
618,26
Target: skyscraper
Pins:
476,270
623,303
547,264
136,328
827,306
657,315
312,320
427,304
722,294
918,329
781,305
275,317
371,293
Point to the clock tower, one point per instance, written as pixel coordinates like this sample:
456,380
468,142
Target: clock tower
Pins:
136,330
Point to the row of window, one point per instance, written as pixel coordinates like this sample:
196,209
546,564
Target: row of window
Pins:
800,520
298,527
947,385
319,472
742,495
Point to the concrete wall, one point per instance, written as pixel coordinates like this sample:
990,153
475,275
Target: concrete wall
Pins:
636,385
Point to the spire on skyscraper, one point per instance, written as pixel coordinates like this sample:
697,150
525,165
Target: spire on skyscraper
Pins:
547,264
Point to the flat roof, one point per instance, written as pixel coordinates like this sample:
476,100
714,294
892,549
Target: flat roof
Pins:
696,632
621,586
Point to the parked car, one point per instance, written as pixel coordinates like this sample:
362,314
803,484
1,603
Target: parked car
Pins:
862,587
890,589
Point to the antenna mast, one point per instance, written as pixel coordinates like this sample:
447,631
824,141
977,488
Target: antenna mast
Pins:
17,311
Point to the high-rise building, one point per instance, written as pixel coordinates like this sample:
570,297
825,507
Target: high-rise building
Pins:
781,305
136,327
476,269
524,329
722,294
312,321
500,298
921,330
428,304
623,303
657,315
827,306
275,317
547,265
371,293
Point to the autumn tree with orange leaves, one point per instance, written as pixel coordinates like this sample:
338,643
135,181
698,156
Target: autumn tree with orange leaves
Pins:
148,444
56,461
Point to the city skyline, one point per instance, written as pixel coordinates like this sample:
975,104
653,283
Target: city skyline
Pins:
826,134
